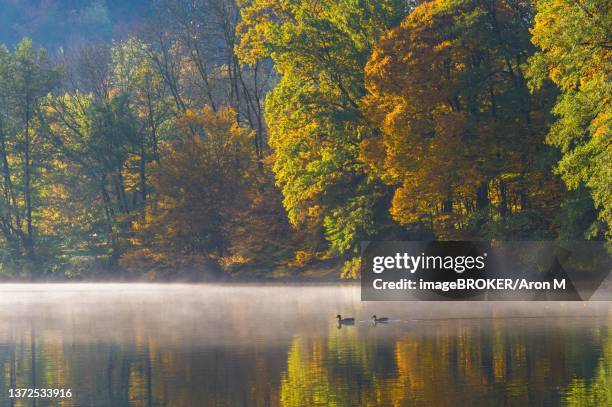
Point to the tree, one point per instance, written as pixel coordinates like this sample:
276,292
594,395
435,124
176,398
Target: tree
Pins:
26,77
193,45
313,115
96,139
462,138
135,76
203,182
575,48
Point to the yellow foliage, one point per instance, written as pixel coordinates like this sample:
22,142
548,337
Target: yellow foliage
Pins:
449,124
202,185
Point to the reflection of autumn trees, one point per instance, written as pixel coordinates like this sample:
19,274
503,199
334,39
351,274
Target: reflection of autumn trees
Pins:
598,390
437,363
324,373
457,361
141,373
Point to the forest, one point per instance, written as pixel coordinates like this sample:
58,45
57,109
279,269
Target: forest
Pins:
268,138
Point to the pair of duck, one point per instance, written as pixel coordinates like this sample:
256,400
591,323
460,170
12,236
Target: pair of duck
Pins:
350,321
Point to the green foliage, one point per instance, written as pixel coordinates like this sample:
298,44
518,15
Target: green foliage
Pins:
575,53
346,224
578,217
313,114
26,77
95,139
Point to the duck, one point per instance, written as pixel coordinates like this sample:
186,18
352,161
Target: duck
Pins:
379,320
345,321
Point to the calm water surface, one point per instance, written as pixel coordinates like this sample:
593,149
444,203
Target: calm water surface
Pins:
204,345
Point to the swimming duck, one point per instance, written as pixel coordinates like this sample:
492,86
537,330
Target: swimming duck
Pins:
345,321
379,320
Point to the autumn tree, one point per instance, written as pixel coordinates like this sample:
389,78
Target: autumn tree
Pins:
462,137
204,184
96,138
313,115
26,77
135,76
575,49
192,43
106,129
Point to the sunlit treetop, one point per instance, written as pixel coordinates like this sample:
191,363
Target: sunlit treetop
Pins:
447,90
575,42
313,114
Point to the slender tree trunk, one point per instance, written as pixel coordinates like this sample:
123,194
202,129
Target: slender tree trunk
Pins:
523,200
153,127
447,204
110,222
482,196
503,199
27,189
9,194
143,175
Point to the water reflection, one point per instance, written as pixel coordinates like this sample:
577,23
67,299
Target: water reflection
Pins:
228,346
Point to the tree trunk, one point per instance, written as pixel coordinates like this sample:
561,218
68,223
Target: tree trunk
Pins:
503,199
27,190
482,196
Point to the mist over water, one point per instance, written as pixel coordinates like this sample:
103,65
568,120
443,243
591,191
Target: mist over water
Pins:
197,345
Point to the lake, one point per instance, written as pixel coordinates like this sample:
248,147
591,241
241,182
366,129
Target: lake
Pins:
249,345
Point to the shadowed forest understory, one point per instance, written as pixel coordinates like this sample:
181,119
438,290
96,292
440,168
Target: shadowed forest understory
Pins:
200,139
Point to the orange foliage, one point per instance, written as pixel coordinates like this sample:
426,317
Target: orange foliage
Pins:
447,91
